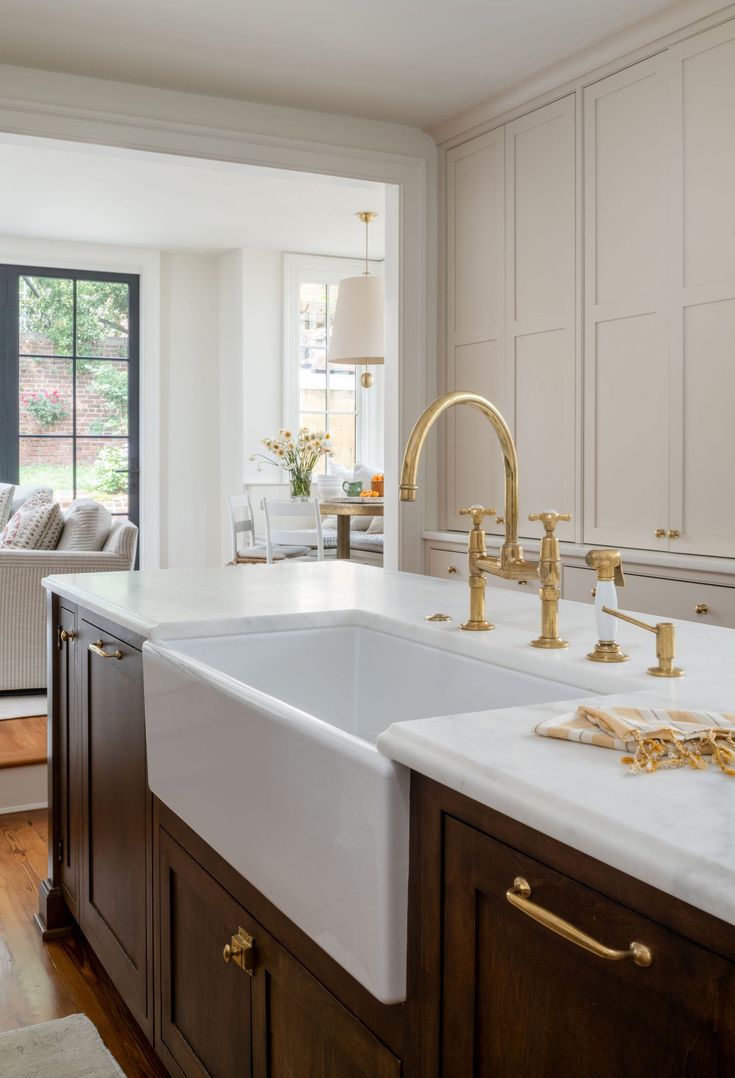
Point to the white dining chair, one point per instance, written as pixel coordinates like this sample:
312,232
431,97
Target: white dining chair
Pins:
305,540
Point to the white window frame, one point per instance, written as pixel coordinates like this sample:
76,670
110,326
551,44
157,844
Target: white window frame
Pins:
308,269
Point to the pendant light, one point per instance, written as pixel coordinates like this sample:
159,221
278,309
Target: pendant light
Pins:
358,330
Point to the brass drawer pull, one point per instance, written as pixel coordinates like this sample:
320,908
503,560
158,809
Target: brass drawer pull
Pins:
519,896
701,608
97,648
241,951
451,569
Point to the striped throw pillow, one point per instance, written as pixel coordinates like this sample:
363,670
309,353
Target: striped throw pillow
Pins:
86,526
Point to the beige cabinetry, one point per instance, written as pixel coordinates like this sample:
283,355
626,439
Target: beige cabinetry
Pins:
590,294
660,301
510,310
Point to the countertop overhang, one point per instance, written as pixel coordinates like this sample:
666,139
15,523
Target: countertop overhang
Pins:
673,829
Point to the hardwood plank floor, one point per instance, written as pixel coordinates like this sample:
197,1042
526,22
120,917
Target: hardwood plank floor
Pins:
23,741
40,981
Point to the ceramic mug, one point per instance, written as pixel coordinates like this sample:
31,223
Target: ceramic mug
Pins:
352,488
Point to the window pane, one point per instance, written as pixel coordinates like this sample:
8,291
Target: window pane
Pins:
102,319
342,396
102,471
45,396
342,437
47,462
315,421
46,315
102,397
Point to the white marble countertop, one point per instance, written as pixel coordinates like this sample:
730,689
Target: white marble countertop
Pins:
673,830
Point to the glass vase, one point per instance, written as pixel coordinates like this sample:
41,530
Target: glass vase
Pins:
300,486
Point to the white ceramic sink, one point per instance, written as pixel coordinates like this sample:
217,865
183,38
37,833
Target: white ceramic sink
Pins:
264,743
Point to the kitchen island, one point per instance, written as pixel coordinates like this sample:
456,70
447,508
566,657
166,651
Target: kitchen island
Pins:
623,858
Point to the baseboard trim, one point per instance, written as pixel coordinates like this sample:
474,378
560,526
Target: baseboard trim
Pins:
6,810
23,788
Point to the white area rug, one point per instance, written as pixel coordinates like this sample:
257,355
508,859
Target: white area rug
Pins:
66,1048
17,707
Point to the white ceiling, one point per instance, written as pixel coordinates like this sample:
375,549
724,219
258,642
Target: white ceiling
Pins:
412,61
89,194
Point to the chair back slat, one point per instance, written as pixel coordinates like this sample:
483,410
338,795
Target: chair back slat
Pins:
292,536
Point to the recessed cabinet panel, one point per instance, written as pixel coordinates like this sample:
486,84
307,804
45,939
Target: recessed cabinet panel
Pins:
540,171
628,152
475,346
545,426
476,472
708,127
476,240
628,470
709,440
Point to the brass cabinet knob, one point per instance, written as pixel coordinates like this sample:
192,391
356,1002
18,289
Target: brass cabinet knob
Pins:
593,592
451,569
66,634
674,533
701,609
660,533
241,951
500,520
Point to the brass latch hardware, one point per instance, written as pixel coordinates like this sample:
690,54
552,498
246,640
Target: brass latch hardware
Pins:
241,951
98,649
63,635
665,643
519,896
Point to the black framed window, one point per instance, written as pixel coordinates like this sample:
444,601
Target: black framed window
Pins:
69,391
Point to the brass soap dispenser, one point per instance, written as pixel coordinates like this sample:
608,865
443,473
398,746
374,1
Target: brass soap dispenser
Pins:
609,568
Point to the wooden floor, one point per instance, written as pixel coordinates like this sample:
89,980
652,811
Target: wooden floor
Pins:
23,741
40,981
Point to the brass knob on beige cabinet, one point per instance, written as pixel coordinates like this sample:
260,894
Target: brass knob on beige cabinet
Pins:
674,533
660,533
500,520
451,569
701,609
593,592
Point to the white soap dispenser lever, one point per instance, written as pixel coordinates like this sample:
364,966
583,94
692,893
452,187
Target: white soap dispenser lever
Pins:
608,565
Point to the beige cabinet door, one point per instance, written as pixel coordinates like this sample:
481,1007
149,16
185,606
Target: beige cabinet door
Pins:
627,259
703,293
540,307
476,358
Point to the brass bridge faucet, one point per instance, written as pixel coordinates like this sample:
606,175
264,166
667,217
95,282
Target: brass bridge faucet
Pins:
510,564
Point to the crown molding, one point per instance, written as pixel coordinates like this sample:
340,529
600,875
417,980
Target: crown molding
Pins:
650,33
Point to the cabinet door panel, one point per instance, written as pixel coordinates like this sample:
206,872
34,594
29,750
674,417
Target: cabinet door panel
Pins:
628,248
475,345
540,328
708,510
205,1021
70,748
519,999
302,1029
115,913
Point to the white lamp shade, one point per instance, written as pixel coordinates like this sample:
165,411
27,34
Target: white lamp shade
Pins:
358,330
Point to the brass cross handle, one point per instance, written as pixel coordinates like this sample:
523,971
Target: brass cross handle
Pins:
550,519
477,512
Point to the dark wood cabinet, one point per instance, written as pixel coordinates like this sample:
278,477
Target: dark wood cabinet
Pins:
220,1021
69,755
521,999
493,990
116,879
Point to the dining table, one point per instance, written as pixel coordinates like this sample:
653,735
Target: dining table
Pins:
344,509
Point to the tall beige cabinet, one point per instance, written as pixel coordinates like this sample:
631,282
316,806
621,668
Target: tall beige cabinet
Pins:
511,308
660,301
590,293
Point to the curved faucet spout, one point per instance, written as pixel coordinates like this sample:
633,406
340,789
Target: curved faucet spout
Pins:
511,550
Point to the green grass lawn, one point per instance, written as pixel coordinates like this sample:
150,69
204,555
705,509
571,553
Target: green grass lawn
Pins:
57,476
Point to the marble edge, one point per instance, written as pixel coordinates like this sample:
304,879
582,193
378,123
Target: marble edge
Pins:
666,866
104,607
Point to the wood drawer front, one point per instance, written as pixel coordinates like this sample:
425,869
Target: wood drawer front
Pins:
520,999
440,561
656,596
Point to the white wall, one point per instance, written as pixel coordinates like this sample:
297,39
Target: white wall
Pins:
190,408
262,400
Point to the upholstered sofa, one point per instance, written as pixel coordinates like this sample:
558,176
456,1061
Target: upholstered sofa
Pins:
23,600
